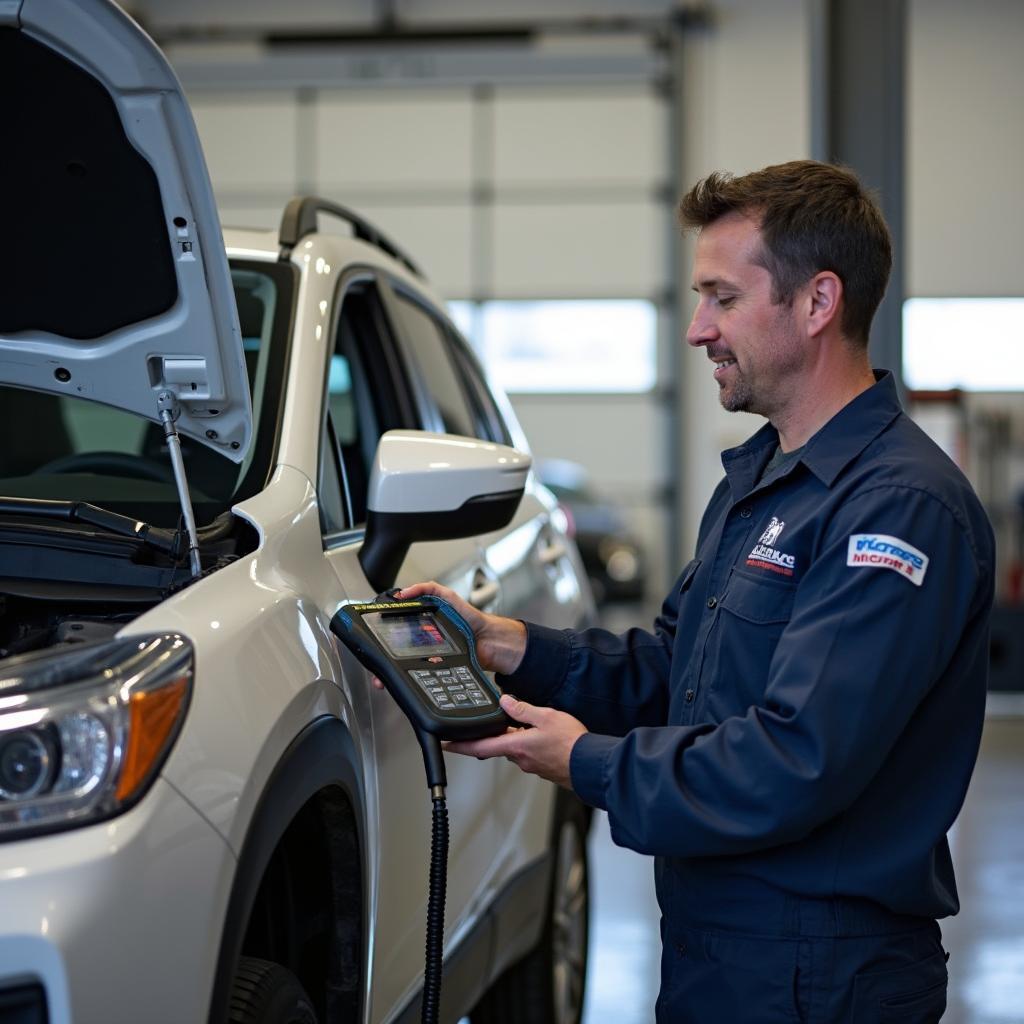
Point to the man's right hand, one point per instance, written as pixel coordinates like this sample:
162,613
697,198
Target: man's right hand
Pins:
500,642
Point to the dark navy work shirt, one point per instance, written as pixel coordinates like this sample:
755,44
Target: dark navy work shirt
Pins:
806,713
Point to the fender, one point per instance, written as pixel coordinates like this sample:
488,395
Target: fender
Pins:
321,756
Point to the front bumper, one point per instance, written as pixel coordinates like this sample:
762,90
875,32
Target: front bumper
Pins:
119,921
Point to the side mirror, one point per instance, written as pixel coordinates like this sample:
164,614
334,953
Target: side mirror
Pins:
435,487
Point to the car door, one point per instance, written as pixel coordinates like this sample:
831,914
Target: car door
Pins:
369,391
528,570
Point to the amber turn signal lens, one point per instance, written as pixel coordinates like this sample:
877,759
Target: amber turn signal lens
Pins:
153,715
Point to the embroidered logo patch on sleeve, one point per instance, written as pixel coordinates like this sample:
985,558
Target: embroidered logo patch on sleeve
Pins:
880,551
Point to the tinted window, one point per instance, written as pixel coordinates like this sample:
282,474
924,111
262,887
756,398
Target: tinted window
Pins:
430,346
365,396
490,424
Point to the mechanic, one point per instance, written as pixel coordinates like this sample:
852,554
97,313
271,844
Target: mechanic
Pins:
795,737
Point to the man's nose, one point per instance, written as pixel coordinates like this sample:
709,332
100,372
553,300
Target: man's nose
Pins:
702,329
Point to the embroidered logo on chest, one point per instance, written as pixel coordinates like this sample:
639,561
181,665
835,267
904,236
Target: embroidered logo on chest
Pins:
764,554
880,551
771,535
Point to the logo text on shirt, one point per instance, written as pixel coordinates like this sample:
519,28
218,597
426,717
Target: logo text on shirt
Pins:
881,551
764,554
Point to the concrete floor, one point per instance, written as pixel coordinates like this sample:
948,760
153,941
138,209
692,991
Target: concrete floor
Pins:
985,940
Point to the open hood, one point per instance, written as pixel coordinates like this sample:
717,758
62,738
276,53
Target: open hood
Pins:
114,283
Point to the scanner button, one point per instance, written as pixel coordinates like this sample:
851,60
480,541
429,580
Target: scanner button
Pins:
480,700
461,698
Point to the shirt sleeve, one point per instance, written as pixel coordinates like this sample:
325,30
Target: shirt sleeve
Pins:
863,646
610,682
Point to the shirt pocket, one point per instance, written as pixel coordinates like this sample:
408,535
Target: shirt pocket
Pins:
759,601
752,616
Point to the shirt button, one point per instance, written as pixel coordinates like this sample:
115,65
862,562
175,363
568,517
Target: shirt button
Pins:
712,602
746,512
689,696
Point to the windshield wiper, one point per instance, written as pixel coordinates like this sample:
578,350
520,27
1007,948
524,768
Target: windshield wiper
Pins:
168,541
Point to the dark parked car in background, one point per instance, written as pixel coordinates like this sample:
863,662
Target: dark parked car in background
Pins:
612,555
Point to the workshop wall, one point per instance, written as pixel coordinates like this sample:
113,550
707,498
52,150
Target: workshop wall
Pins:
965,148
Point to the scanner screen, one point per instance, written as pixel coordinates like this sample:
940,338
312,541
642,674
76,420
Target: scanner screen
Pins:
410,635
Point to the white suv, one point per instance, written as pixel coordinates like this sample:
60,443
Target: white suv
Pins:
206,811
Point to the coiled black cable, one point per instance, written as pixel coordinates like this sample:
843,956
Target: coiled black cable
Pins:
435,911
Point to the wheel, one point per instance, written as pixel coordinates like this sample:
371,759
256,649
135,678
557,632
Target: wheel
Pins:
546,986
267,993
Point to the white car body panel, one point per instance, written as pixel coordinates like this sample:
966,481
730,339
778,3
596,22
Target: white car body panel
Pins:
262,641
87,902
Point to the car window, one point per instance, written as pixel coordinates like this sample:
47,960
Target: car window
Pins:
69,448
335,511
366,394
489,422
427,339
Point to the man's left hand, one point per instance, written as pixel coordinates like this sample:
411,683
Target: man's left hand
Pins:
541,750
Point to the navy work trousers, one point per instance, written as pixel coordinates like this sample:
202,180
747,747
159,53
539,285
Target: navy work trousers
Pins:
802,962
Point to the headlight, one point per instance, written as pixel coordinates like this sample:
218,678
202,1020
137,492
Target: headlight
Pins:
85,729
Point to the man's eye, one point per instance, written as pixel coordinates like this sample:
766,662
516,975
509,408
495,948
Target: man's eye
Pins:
726,300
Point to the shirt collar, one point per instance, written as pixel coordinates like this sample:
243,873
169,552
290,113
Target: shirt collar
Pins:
831,449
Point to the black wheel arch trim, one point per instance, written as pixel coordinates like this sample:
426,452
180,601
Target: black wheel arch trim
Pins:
323,755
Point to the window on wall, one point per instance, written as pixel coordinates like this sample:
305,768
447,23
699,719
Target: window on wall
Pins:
559,345
971,344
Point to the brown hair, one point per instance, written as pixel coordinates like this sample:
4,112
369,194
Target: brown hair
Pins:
812,217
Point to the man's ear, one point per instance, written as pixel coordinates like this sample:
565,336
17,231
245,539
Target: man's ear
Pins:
825,296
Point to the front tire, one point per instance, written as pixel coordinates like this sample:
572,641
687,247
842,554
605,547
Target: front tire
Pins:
267,993
547,985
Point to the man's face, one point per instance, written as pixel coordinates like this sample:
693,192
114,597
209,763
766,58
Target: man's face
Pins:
755,345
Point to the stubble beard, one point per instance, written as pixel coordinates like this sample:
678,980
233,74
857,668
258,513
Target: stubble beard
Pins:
738,397
764,393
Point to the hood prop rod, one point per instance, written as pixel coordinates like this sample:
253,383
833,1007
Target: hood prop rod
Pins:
170,410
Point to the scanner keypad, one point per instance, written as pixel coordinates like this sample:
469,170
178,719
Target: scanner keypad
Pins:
452,689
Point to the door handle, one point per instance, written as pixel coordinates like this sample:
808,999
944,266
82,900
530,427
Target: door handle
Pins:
552,553
484,590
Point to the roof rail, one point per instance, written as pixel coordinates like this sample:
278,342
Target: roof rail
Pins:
300,219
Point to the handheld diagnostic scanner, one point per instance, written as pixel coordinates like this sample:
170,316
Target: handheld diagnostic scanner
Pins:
424,653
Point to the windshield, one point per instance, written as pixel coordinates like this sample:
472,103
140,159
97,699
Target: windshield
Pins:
67,448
